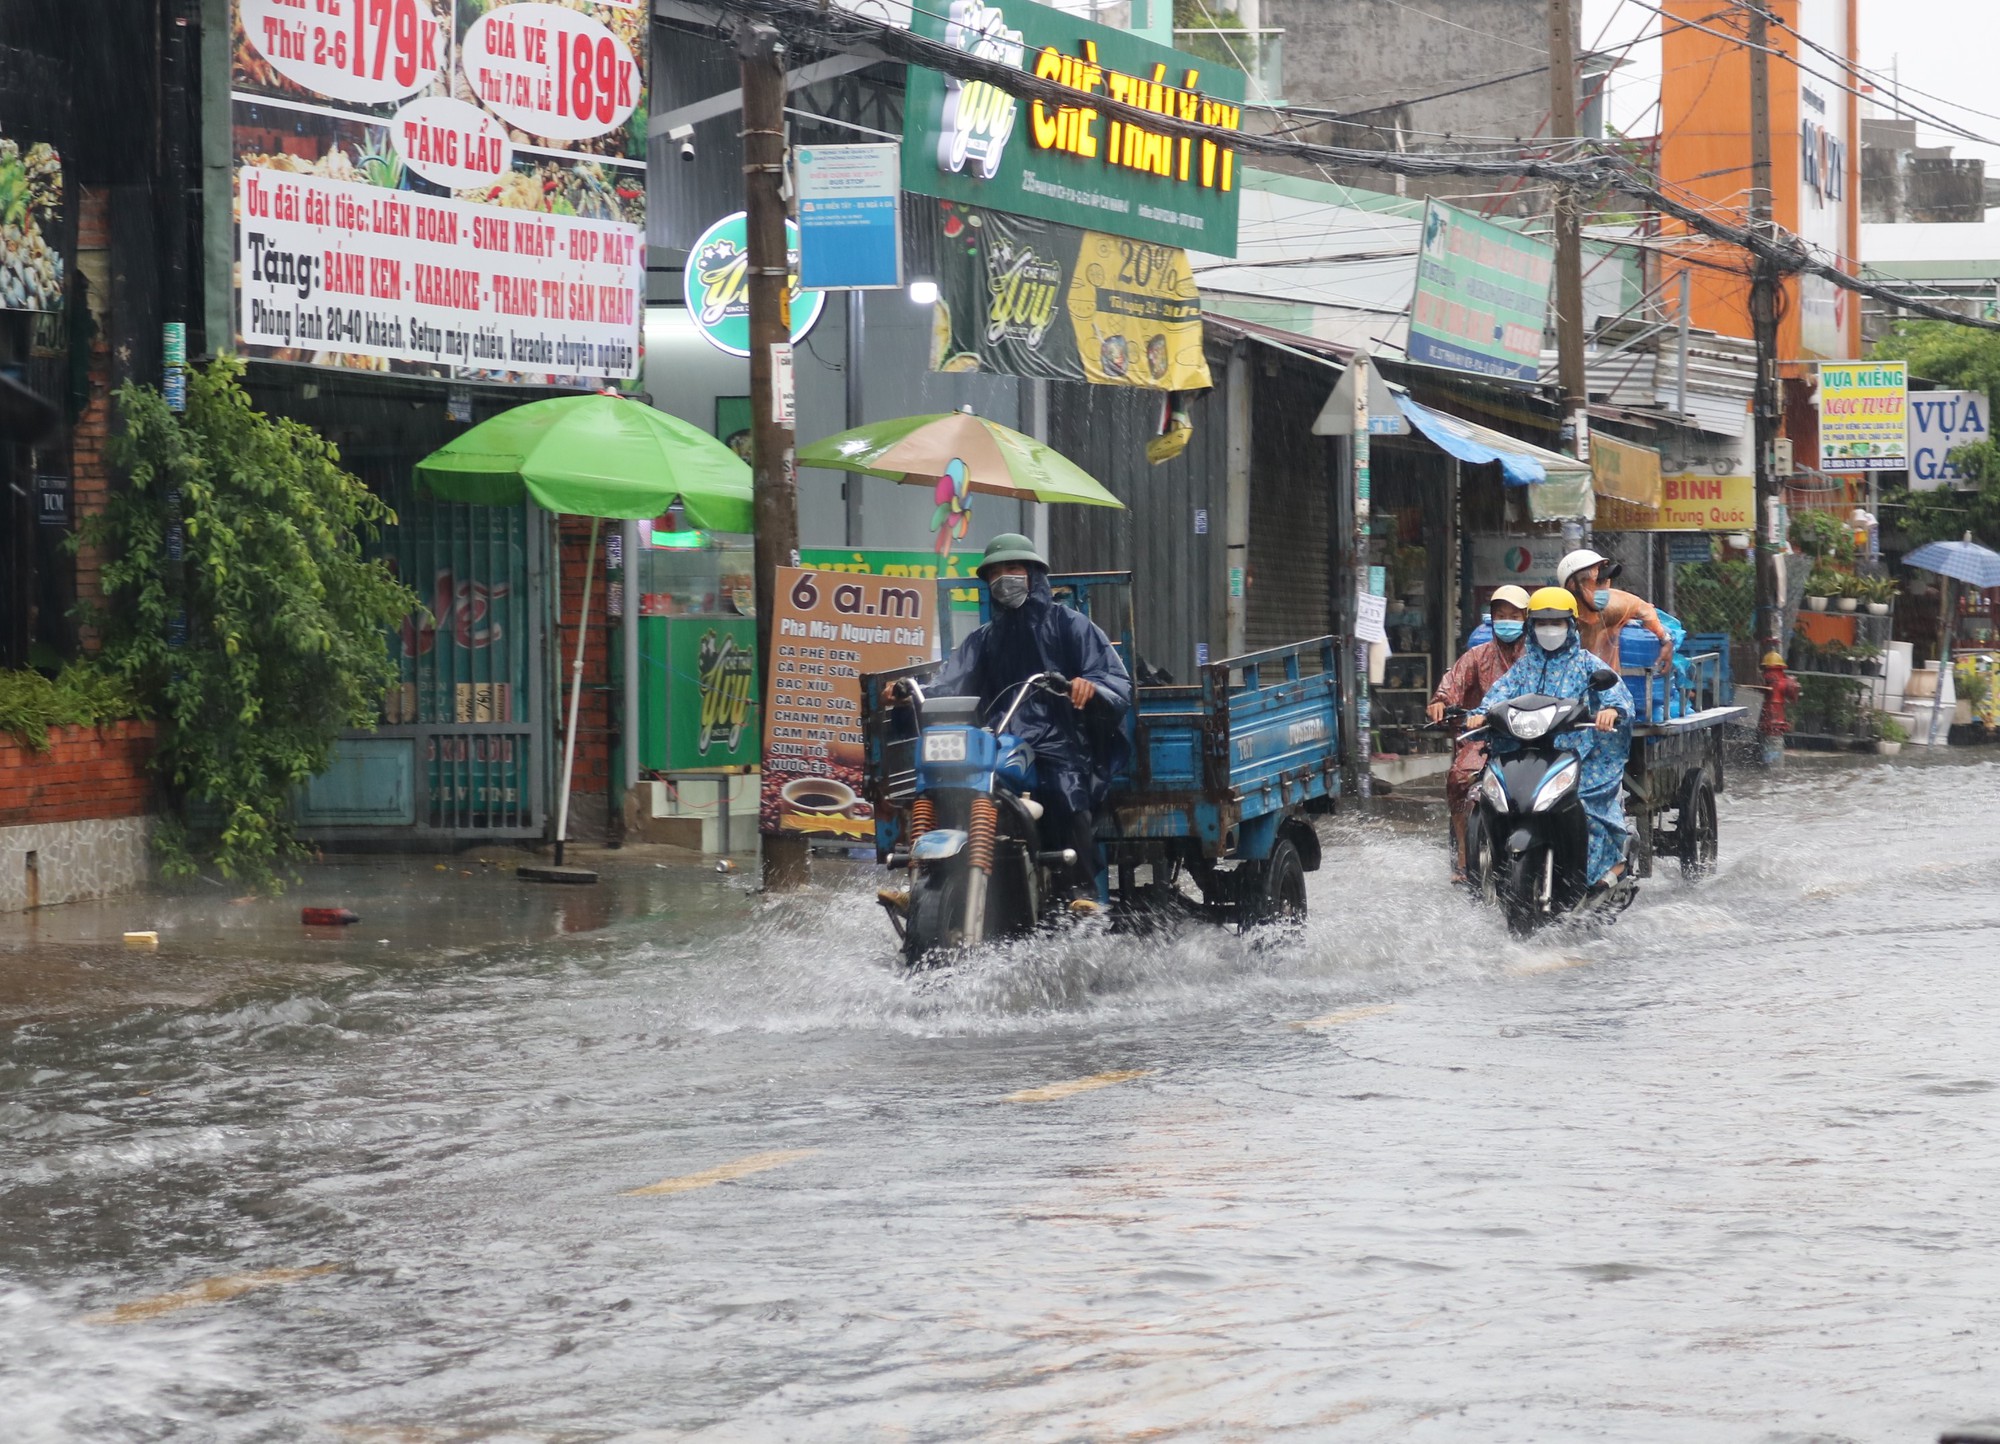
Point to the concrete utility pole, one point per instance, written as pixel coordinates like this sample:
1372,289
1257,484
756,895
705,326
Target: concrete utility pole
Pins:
774,472
1764,283
1570,373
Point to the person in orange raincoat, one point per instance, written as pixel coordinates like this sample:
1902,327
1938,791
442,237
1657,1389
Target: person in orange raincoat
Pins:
1465,686
1602,610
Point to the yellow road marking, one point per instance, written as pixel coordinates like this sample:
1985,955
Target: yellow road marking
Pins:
1553,965
723,1172
1050,1092
208,1291
1345,1015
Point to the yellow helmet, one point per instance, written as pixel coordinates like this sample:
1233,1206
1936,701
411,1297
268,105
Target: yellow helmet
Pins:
1772,659
1551,604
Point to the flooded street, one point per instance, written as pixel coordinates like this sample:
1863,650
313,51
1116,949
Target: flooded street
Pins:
678,1163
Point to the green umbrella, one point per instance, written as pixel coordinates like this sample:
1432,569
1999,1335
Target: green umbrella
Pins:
997,459
595,455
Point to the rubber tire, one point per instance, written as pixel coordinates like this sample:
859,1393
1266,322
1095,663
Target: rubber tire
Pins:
1518,887
1696,831
1276,891
936,925
1484,865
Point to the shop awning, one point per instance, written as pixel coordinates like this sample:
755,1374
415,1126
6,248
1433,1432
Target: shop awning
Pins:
1561,483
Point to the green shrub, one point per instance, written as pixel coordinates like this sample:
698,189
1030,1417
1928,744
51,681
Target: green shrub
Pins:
269,634
83,694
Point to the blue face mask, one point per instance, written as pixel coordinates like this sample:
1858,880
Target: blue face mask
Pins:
1600,599
1508,631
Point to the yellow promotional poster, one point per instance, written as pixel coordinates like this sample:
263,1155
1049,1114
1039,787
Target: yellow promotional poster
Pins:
1022,297
831,629
1864,416
1689,501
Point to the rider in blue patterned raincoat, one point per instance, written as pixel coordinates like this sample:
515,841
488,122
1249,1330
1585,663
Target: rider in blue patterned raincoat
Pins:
1554,664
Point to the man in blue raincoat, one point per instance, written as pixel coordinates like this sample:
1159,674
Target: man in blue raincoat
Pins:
1079,740
1555,664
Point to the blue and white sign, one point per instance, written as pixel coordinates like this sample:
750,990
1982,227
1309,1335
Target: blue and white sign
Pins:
849,206
1940,423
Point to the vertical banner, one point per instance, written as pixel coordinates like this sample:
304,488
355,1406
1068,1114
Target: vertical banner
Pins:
448,188
33,239
1864,415
1482,298
850,208
830,630
711,694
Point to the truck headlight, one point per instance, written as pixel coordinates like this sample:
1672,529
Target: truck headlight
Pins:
1494,789
1554,787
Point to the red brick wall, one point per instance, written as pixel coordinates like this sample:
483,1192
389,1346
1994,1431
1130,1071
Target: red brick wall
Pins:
593,730
90,472
88,772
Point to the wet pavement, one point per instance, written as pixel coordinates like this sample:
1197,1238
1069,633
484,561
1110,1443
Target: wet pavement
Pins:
664,1160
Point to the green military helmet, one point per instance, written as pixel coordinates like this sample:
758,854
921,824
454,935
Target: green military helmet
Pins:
1010,546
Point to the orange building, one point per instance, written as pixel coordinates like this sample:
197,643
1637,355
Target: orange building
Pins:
1815,172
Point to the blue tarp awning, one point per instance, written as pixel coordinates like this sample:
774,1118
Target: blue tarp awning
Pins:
1521,462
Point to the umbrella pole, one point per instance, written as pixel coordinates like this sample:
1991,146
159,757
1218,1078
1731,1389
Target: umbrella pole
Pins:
1944,653
575,693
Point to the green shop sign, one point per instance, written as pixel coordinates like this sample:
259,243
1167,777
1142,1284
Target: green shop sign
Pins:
967,141
717,284
711,717
1482,296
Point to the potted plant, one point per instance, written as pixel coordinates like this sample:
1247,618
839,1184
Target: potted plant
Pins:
1867,658
1878,592
1822,583
1892,734
1849,595
1833,658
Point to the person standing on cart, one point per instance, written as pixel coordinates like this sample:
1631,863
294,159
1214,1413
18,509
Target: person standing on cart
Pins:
1463,688
1602,610
1079,740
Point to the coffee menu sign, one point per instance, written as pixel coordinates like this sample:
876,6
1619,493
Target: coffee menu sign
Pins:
450,188
830,630
966,140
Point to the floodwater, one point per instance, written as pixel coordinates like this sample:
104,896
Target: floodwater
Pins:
704,1167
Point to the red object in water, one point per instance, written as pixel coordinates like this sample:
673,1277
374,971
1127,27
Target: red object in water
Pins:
327,917
1783,689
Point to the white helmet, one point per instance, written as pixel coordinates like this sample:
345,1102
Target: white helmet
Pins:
1579,560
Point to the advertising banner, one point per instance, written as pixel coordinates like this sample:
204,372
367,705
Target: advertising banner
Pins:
1864,415
968,142
711,693
449,188
1689,501
1940,423
830,630
1624,472
850,205
1482,296
32,241
1033,298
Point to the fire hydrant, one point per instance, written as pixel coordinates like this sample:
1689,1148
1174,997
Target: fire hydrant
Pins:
1779,689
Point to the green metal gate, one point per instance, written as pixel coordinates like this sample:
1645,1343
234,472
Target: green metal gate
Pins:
460,752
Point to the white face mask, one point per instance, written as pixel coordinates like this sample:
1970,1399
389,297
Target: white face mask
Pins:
1550,636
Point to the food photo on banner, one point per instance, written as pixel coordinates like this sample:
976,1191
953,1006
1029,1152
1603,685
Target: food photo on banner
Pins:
449,188
1034,298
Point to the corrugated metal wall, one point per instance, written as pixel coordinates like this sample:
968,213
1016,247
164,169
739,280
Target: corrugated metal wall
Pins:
1180,578
1291,492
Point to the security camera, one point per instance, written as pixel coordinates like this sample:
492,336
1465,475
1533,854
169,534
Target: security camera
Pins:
685,135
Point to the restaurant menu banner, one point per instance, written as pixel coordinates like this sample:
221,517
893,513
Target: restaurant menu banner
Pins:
830,630
1864,420
32,238
1025,297
966,140
1482,297
450,188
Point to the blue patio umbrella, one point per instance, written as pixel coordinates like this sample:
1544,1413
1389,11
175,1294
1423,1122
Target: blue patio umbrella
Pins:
1964,561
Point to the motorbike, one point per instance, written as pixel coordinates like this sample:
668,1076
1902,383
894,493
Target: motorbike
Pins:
977,870
1528,838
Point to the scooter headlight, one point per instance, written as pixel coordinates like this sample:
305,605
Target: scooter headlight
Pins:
944,745
1494,789
1529,725
1554,788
